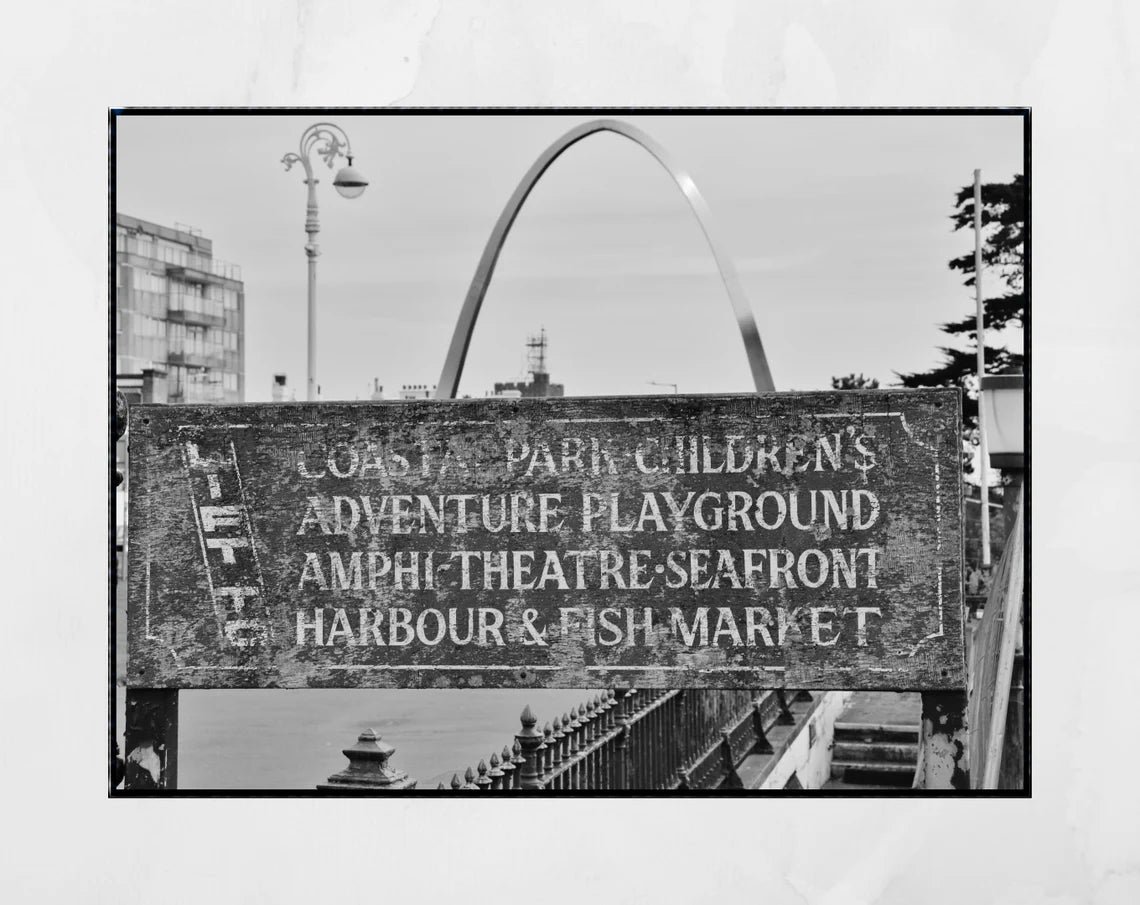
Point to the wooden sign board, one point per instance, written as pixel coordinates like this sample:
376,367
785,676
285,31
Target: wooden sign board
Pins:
812,540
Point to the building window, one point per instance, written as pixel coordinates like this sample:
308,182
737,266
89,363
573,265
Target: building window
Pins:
146,281
143,246
173,252
141,325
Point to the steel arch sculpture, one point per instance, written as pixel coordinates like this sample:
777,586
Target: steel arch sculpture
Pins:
461,339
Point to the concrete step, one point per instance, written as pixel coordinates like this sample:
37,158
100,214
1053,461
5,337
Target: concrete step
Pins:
859,772
859,786
872,752
876,732
868,779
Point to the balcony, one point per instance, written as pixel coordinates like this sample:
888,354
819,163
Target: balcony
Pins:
193,274
196,318
199,269
194,359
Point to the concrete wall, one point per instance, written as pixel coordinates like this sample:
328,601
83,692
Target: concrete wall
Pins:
809,754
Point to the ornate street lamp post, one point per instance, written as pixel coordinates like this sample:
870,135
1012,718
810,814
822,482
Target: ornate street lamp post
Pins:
330,142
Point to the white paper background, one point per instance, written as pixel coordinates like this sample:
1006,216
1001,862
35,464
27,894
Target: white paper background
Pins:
1075,61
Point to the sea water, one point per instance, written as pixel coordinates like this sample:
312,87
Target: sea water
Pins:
292,739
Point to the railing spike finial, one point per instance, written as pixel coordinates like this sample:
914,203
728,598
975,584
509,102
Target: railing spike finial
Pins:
529,741
518,760
508,769
556,745
495,774
587,718
609,704
483,781
547,749
455,783
574,730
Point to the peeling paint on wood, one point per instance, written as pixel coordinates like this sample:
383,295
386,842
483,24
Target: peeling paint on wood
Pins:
808,540
943,751
151,739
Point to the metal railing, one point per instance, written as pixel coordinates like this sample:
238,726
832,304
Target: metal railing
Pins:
644,739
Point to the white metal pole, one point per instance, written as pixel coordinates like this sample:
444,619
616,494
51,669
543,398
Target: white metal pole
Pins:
311,250
311,383
985,463
328,139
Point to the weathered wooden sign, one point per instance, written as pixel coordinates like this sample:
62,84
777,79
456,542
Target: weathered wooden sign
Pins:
805,539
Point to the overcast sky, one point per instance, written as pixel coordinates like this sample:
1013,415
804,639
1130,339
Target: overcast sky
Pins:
839,227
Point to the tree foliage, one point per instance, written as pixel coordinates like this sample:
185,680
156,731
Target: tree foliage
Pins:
1004,208
1003,252
851,382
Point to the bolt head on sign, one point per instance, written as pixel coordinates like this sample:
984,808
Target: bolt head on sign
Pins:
812,540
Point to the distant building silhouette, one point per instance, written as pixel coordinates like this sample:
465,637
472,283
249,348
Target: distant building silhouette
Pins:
416,391
179,311
539,385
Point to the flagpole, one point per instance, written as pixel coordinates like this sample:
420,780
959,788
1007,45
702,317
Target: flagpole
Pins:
985,463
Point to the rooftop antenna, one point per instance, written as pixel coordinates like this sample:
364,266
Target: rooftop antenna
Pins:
536,352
